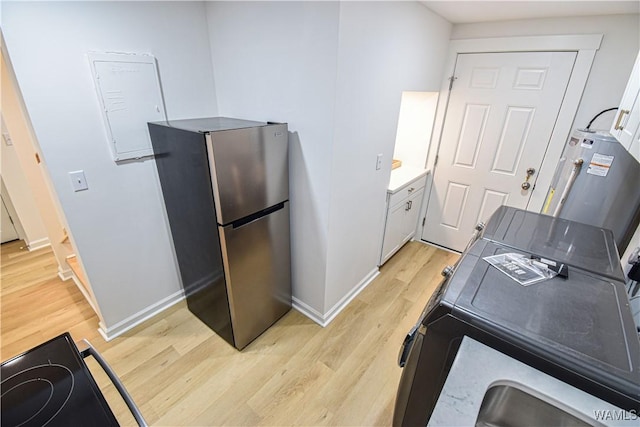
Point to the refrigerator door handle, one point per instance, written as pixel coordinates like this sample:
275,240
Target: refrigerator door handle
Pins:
247,219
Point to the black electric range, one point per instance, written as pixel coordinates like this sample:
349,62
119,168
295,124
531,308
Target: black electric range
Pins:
51,385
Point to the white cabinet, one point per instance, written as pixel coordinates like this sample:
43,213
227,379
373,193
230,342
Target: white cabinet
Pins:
403,209
626,124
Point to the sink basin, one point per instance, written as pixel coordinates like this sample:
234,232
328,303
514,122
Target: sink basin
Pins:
508,406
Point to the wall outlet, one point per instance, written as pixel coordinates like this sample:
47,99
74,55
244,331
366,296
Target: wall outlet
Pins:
78,181
379,162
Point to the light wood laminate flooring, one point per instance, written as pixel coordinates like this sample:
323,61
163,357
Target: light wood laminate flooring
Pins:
181,373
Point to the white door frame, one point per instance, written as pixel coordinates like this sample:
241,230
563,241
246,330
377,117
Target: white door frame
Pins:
12,221
585,45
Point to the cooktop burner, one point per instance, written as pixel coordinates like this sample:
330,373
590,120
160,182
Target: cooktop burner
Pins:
50,385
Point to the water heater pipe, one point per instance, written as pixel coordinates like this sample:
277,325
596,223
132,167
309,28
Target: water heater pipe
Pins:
577,165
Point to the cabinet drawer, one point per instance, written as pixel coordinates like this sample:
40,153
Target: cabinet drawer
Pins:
406,191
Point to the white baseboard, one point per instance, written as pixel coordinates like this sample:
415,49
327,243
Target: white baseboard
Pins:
324,319
132,321
308,311
64,275
38,244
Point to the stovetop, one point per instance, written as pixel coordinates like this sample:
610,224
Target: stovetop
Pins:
51,385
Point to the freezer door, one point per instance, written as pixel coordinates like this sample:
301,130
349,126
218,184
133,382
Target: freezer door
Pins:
257,265
249,169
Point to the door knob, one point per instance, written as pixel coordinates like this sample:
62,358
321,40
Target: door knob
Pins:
525,185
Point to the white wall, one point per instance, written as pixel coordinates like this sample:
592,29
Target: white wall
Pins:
612,64
119,225
385,48
335,72
276,61
271,61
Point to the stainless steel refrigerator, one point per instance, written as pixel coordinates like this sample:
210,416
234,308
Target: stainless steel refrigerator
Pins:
225,184
597,182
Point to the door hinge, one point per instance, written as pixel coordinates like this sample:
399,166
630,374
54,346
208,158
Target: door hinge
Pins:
424,220
451,80
436,161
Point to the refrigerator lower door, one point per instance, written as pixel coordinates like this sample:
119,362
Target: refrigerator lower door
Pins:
257,265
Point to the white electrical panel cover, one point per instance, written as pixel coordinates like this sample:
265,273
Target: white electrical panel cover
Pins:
129,93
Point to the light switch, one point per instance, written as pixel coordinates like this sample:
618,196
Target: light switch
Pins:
379,162
78,181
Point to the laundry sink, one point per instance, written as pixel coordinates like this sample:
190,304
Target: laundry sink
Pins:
509,406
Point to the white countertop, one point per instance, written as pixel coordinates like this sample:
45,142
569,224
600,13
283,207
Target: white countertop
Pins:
478,367
403,175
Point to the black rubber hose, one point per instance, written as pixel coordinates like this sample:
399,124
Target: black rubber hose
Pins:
598,115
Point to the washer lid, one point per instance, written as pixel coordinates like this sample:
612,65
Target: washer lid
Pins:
579,245
582,322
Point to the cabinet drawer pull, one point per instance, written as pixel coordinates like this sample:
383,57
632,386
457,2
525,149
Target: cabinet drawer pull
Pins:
619,121
410,190
408,204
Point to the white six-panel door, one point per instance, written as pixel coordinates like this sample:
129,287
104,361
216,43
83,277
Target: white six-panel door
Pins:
501,113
